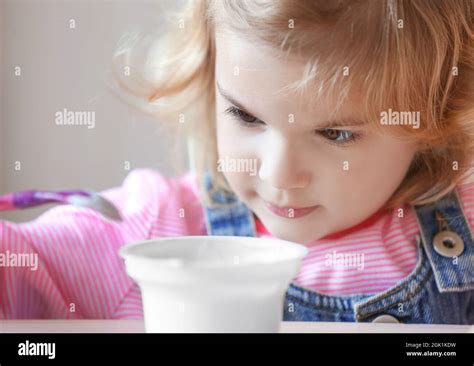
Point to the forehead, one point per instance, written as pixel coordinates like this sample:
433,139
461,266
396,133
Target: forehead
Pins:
239,60
255,73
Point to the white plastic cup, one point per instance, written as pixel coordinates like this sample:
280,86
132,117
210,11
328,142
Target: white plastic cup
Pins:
213,283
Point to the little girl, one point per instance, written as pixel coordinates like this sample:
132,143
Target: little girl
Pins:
345,126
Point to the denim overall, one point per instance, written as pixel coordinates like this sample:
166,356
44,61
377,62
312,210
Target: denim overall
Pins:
439,290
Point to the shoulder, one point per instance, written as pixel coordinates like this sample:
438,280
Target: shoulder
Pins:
171,205
149,181
155,200
151,187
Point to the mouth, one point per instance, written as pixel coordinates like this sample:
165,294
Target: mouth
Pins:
289,212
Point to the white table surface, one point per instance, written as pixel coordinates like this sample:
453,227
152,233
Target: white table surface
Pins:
136,326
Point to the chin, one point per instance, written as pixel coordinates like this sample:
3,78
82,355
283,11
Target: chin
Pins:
302,241
302,238
288,229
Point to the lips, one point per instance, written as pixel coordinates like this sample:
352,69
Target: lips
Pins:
289,212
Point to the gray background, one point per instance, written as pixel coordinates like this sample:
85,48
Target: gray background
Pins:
67,68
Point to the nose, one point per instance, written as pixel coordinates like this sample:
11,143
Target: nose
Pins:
283,167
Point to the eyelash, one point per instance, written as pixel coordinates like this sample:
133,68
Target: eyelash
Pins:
238,114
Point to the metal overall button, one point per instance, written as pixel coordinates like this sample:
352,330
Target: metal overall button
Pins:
446,242
385,318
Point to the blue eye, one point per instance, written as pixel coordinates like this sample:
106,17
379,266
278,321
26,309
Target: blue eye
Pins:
243,117
337,135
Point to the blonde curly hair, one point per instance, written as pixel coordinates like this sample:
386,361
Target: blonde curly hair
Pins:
407,55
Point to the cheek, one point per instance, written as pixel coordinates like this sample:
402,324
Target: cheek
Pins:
391,161
234,144
373,176
234,141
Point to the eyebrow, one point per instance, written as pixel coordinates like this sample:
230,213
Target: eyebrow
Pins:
329,124
232,100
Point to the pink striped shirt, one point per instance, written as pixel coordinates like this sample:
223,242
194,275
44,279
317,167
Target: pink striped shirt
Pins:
78,273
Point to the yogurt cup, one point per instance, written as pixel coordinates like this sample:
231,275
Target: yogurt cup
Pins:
213,283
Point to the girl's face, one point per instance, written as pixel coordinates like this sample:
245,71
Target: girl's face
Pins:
273,150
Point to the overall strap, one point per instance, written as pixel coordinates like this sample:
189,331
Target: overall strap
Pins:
448,243
227,215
